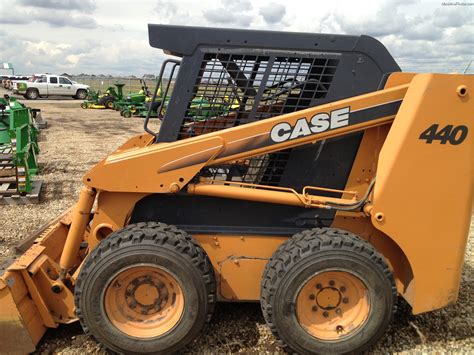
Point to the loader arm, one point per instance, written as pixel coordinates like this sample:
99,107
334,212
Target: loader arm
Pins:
168,167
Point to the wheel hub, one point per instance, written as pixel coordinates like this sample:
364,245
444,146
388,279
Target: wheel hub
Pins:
328,298
144,301
332,305
145,296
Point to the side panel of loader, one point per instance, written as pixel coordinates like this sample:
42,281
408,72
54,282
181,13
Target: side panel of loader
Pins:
424,190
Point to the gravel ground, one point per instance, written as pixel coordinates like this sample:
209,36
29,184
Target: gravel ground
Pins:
77,139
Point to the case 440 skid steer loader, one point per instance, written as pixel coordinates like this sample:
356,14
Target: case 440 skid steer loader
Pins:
337,184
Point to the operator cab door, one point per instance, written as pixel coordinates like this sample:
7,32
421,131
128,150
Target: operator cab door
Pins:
53,86
66,86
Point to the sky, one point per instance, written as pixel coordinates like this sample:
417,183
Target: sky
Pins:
111,37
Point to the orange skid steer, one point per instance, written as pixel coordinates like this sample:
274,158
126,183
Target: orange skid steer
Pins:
335,185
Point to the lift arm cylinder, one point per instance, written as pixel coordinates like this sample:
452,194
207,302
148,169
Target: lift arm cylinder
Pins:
80,219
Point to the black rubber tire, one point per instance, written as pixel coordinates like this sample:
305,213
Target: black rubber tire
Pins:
32,94
316,250
81,94
154,243
105,100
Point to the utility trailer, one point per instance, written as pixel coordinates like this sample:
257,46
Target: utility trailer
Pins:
337,184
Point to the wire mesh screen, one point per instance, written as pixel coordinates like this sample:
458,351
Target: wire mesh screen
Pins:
234,89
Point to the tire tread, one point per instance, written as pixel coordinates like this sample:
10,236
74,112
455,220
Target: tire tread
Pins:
302,245
156,233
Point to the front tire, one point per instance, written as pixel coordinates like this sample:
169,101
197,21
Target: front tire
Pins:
148,288
327,291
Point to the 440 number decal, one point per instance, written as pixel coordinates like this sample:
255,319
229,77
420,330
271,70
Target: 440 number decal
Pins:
448,134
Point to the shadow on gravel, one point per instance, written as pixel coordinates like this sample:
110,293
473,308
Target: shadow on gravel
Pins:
433,329
234,327
64,337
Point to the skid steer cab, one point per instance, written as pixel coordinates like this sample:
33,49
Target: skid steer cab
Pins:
314,178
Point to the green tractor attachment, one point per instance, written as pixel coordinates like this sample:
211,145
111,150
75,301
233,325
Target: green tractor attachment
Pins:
18,147
141,109
97,100
133,98
203,108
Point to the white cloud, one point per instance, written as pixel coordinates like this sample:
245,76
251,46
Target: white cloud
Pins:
60,19
236,13
111,37
86,6
273,12
55,17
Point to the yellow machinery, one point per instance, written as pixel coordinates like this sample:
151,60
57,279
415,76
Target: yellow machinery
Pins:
338,184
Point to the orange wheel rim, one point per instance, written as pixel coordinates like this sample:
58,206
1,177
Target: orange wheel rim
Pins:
333,305
144,301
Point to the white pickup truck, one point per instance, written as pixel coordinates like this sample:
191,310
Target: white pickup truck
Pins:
50,85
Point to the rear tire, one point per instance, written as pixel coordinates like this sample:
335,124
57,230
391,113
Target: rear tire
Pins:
327,291
107,101
32,94
148,288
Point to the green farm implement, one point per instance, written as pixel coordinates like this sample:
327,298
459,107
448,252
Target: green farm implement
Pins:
141,109
201,108
18,148
133,98
97,100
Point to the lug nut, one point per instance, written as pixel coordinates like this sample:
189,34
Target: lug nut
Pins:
345,300
338,311
315,308
331,283
312,296
319,286
342,289
325,314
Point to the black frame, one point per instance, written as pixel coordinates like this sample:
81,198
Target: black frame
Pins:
363,66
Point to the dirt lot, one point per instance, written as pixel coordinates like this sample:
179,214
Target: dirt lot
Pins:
77,139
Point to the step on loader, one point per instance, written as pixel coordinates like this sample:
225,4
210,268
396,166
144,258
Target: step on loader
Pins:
338,184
